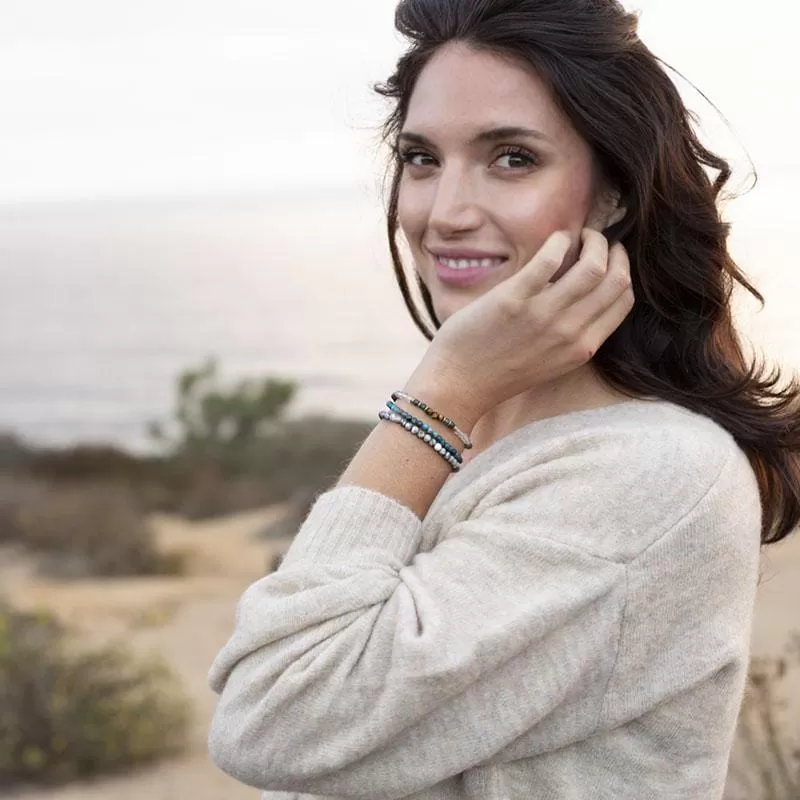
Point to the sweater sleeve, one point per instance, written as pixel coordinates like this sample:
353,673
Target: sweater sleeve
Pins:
363,668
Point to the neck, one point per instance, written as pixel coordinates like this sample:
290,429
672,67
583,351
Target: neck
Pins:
581,389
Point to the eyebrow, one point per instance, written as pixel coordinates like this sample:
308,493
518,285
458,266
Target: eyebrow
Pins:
489,135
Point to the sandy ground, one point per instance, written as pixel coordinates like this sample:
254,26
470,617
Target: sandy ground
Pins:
188,619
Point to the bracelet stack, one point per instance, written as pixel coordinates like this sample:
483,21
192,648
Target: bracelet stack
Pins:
434,415
424,431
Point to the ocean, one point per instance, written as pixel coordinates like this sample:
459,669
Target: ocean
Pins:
104,304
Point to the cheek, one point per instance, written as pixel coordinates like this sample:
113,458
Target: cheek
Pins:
546,208
558,206
411,215
412,219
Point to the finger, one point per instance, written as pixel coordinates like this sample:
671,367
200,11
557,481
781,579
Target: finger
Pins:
589,271
587,319
536,274
615,283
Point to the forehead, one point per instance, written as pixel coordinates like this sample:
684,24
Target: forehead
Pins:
461,89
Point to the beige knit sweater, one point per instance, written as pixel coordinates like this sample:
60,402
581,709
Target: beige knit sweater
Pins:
571,621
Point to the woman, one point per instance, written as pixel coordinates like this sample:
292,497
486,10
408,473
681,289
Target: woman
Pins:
570,616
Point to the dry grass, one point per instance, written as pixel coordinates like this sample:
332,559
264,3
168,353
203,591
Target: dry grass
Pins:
81,530
70,712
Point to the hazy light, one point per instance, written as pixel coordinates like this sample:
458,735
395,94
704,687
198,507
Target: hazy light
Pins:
158,98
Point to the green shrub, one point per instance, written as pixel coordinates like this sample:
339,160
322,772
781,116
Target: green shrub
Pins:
79,530
212,422
233,449
69,713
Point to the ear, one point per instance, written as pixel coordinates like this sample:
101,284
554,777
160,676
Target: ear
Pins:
607,211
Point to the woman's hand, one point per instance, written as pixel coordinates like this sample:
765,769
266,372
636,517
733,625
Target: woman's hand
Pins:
526,331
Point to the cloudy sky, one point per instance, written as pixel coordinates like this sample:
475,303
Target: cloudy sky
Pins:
170,97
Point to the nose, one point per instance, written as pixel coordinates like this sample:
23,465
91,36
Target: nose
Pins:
455,207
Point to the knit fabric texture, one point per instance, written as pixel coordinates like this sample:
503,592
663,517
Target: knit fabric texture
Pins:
571,620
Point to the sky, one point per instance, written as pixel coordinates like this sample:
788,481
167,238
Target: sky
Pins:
170,97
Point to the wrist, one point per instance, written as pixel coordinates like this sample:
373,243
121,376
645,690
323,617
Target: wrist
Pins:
461,406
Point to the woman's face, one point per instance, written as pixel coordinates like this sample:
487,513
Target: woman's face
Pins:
472,190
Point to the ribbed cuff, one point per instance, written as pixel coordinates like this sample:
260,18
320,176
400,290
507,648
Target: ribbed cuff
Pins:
353,524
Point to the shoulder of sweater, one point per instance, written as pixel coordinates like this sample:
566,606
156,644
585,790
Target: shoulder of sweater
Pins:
615,482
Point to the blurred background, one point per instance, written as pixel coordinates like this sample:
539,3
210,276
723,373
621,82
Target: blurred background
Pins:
185,179
199,322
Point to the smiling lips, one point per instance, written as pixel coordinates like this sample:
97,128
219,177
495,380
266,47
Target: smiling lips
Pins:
466,269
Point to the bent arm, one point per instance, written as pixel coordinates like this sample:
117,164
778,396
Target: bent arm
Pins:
364,669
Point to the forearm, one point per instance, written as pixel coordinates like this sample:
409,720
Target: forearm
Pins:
401,466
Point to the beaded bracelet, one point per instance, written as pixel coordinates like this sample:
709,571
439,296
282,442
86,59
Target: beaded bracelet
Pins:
434,415
420,434
425,427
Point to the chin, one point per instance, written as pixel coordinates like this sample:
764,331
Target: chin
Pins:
445,307
447,301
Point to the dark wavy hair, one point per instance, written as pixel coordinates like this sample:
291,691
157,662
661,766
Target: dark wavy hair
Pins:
679,343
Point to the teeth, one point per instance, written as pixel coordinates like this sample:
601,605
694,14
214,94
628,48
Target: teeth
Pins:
475,263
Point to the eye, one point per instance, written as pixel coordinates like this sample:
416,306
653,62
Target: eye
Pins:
527,158
409,156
